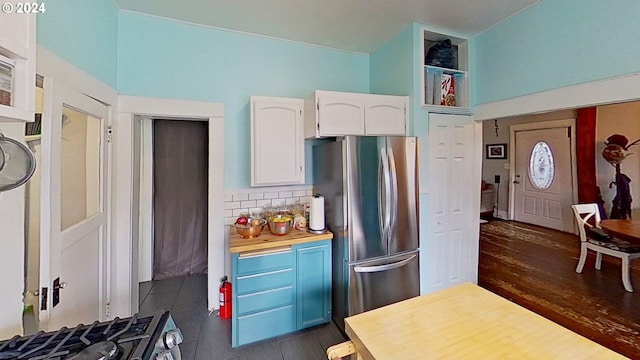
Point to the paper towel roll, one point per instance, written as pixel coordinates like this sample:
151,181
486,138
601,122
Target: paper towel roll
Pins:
316,213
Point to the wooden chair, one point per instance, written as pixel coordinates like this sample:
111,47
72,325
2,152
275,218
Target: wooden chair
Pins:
342,350
593,237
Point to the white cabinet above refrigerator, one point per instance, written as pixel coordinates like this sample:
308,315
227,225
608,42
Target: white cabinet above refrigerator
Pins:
331,113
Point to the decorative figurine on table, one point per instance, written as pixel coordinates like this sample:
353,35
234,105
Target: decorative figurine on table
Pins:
616,150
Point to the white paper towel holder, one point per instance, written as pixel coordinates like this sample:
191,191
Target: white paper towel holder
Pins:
317,231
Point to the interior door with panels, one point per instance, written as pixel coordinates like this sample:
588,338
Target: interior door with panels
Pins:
454,182
75,193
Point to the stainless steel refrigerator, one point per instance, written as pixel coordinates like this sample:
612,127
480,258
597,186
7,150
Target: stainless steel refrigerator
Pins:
370,189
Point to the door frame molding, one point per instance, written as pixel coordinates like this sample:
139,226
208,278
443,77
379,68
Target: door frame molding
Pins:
136,107
571,124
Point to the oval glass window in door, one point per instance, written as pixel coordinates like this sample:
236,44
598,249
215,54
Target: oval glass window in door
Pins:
541,166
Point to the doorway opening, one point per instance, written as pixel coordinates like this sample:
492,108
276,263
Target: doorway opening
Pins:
173,198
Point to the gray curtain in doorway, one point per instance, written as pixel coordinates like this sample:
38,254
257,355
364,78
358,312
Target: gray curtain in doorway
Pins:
180,159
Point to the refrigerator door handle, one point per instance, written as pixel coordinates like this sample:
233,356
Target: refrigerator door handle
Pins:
384,205
393,194
380,203
385,267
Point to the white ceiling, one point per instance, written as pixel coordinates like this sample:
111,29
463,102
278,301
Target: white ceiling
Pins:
355,25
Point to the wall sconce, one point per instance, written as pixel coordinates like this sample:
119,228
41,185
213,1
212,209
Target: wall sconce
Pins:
495,125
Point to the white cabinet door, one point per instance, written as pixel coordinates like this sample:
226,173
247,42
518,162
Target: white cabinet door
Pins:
385,115
451,246
277,141
18,50
339,115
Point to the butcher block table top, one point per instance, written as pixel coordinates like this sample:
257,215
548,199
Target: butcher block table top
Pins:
267,240
465,322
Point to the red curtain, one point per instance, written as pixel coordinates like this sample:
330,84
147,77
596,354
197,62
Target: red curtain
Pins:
588,191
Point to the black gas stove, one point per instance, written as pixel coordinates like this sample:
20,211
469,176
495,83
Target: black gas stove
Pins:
147,338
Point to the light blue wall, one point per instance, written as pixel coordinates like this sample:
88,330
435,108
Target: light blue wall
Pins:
84,33
391,69
556,43
162,58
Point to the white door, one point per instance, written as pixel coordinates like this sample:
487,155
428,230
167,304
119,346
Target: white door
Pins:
74,220
542,183
451,249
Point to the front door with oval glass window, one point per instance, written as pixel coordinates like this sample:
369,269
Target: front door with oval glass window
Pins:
543,191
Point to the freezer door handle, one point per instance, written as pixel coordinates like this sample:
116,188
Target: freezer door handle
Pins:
393,194
384,201
385,267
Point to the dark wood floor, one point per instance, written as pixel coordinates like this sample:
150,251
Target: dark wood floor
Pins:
535,268
207,337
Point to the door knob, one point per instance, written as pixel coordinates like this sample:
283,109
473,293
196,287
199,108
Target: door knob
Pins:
60,286
516,182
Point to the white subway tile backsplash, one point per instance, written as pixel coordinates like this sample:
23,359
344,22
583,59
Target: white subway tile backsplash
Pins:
248,204
292,200
271,195
243,201
232,205
238,212
240,197
263,203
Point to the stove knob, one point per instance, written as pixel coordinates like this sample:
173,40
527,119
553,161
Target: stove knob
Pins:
172,338
165,355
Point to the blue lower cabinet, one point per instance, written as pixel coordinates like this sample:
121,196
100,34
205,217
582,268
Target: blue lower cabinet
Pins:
266,324
281,292
313,295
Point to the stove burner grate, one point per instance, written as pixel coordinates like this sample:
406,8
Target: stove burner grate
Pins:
113,340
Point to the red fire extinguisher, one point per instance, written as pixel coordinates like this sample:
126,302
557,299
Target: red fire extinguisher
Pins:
225,298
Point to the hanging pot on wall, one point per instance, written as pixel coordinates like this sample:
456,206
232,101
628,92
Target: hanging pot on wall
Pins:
17,163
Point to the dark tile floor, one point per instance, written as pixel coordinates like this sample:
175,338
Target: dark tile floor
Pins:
207,337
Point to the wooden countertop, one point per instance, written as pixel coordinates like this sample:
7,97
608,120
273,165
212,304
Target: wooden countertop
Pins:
465,322
267,240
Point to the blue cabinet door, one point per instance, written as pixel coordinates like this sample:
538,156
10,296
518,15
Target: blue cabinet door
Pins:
313,293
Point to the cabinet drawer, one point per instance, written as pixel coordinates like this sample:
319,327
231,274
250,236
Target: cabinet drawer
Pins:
265,281
264,300
251,264
265,324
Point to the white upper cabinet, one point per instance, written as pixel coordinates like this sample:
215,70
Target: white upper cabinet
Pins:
330,113
277,141
340,115
17,61
385,115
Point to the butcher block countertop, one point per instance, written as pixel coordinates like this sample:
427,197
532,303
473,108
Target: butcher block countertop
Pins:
465,322
267,240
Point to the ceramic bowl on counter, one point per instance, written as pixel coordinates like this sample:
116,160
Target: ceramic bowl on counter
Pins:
251,229
280,224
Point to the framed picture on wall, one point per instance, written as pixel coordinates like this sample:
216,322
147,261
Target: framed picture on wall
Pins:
496,151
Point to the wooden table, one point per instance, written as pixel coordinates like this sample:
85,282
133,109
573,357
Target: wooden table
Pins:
628,230
465,322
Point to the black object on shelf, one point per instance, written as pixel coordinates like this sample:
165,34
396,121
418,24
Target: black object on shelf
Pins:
441,54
